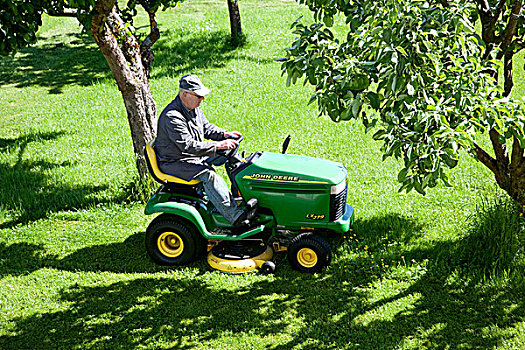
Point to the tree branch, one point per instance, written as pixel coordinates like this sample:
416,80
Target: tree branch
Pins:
490,163
487,26
121,60
499,9
486,159
145,47
500,150
511,28
507,74
484,6
494,20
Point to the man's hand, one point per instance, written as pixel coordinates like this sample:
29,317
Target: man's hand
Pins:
227,144
232,134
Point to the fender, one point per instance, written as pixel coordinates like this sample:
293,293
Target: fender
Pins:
179,209
157,205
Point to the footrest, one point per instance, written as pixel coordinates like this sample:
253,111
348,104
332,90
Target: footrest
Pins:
252,203
235,236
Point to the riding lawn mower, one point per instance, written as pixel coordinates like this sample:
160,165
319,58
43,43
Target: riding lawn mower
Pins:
298,200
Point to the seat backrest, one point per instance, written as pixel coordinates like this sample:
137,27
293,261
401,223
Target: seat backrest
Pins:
159,176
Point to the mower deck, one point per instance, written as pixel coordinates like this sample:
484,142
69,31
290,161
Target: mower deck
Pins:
239,256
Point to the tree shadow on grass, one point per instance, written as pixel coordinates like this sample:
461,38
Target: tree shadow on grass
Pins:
25,189
74,59
389,226
320,311
54,64
334,310
129,256
179,53
22,258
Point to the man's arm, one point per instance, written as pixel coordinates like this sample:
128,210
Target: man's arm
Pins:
179,134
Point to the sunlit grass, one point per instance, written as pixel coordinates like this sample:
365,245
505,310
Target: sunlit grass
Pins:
73,268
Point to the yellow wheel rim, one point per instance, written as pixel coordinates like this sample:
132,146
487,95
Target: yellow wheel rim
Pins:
307,257
170,244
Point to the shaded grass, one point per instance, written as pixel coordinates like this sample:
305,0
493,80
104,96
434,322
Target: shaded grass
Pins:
60,60
73,270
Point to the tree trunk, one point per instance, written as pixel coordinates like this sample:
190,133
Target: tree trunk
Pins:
235,21
509,170
122,52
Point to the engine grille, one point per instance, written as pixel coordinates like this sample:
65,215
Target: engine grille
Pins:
338,204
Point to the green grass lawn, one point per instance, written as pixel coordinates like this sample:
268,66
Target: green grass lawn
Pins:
73,269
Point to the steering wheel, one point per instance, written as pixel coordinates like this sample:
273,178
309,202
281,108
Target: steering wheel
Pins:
229,153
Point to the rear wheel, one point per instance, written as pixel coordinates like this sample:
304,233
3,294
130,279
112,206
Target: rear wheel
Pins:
308,252
169,242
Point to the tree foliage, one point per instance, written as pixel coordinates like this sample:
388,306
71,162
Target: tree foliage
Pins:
422,77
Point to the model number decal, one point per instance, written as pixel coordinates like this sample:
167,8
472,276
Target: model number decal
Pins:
274,177
314,217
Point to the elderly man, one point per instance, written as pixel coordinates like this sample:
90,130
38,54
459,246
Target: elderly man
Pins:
182,150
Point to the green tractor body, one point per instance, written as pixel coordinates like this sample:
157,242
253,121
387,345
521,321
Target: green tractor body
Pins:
296,195
293,193
299,191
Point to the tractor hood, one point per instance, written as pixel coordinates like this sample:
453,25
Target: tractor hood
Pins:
292,168
299,191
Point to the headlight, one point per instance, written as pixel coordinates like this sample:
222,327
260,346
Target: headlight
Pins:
335,189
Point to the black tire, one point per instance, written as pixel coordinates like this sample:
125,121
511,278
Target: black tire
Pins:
309,253
201,246
201,243
169,242
267,268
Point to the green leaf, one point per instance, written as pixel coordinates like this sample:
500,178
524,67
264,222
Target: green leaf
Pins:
402,175
370,125
356,106
373,98
418,187
328,21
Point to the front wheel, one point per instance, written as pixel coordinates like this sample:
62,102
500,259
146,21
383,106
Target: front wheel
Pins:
308,252
169,242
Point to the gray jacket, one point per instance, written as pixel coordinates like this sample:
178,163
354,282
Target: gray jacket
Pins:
180,146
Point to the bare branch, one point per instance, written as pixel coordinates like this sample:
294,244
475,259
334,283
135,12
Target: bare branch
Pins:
145,47
507,73
486,159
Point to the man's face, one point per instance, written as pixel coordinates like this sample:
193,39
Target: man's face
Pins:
191,100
